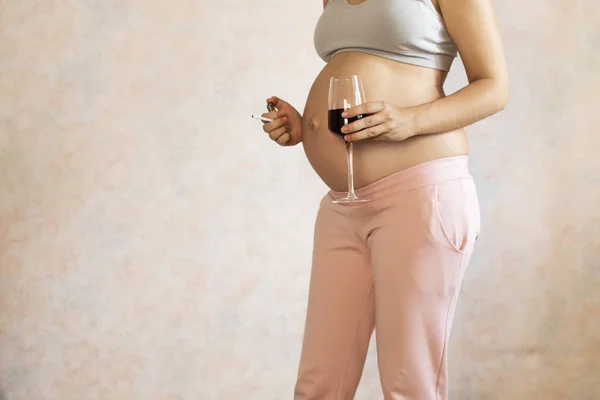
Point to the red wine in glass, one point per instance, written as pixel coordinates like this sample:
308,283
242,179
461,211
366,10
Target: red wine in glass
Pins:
336,121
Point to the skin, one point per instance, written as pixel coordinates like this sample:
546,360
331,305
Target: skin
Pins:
413,120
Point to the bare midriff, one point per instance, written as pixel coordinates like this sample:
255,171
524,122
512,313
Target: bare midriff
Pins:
399,84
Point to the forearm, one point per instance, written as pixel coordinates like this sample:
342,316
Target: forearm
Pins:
479,100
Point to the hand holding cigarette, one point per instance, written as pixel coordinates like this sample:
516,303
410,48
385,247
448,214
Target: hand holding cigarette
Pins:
283,123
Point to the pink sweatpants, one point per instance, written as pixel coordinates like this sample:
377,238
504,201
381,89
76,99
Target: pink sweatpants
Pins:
395,265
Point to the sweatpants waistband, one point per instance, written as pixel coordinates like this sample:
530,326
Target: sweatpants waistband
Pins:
420,175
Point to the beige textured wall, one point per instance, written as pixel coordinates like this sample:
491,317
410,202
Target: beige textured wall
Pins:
155,246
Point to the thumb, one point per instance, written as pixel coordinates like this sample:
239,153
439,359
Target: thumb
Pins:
277,102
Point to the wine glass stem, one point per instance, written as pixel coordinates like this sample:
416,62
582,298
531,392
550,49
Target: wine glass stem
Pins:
350,158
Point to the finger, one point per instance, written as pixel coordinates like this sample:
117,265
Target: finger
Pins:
276,124
369,133
364,123
366,108
273,115
283,139
277,133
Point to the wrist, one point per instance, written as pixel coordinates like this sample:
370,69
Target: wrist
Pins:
415,119
408,123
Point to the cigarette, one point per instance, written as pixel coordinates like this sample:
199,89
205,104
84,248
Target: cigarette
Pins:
263,119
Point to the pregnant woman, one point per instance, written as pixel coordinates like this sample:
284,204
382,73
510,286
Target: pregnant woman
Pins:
393,264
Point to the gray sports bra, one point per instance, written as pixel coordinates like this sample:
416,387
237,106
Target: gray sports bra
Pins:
409,31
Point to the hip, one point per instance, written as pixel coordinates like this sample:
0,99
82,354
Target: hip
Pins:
427,205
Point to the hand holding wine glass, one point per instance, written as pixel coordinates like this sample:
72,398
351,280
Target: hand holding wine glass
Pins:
385,123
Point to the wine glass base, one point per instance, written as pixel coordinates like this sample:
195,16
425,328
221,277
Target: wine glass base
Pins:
347,200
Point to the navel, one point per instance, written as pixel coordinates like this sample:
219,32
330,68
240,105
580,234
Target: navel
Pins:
314,124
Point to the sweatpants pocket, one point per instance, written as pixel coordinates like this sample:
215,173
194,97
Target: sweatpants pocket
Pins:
457,212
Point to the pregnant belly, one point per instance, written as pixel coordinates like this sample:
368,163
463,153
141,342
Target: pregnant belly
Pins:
399,84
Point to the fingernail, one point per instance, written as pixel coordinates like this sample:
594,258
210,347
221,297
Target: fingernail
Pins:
344,114
284,119
344,129
348,138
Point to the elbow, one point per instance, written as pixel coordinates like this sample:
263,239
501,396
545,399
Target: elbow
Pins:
495,93
502,100
501,92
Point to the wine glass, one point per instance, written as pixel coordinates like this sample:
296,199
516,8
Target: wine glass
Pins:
345,92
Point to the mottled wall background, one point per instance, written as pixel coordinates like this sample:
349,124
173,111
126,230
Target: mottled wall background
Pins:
155,245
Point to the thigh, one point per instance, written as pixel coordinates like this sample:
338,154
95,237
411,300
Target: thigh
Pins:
340,317
419,252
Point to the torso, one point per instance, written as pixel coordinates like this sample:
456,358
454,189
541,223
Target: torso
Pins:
400,84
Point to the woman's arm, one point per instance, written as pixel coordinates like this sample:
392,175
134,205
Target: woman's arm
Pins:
472,26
